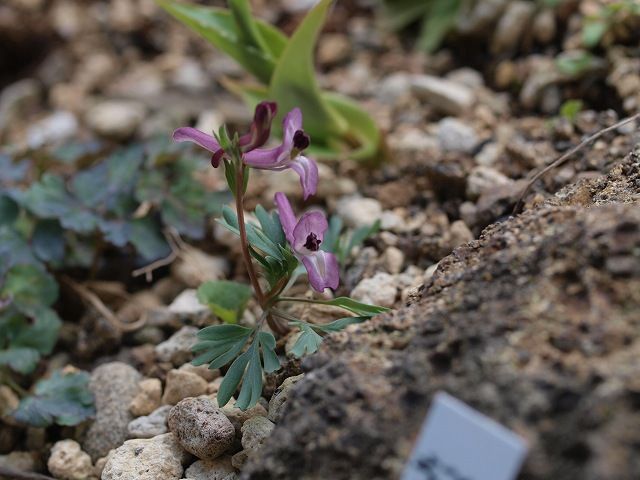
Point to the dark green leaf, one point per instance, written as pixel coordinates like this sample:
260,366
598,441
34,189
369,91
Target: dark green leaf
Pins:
232,379
220,344
361,309
31,288
148,239
338,325
14,250
307,343
42,335
225,298
20,359
8,210
48,241
268,345
252,381
62,399
271,225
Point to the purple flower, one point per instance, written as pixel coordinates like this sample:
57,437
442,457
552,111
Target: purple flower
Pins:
289,154
256,137
305,236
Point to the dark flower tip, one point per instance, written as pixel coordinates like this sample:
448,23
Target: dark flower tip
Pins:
301,140
313,243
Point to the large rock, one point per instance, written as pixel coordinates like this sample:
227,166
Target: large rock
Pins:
201,427
114,385
156,458
535,324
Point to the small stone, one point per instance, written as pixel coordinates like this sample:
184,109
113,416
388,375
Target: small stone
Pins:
460,233
239,459
483,179
182,384
116,119
450,97
334,48
68,462
209,121
544,26
17,99
466,76
196,267
202,371
53,129
219,469
379,290
177,349
238,417
190,76
393,87
255,431
187,307
148,398
9,401
489,154
280,397
150,425
359,211
20,461
512,26
201,427
114,385
156,458
455,136
393,259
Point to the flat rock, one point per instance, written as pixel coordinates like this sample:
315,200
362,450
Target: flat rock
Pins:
114,385
448,96
534,324
156,458
218,469
149,426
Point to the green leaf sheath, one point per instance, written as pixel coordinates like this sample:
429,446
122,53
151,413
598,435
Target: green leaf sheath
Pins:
219,27
293,83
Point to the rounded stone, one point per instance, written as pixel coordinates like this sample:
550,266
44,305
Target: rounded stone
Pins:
201,427
69,462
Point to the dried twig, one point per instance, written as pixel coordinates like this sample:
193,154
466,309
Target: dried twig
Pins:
566,156
105,311
174,241
6,472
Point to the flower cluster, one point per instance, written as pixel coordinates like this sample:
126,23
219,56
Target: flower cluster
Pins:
304,235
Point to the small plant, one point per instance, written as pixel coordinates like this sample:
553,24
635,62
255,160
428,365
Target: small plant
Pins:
280,243
609,16
125,198
285,69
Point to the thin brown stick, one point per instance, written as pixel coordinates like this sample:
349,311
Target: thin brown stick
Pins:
6,472
148,270
105,311
567,155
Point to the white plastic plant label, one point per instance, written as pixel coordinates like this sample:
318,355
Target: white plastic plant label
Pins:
459,443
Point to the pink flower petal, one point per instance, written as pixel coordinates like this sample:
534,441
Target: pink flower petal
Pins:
323,270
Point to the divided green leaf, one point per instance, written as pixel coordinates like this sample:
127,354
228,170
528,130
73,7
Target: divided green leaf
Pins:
63,399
